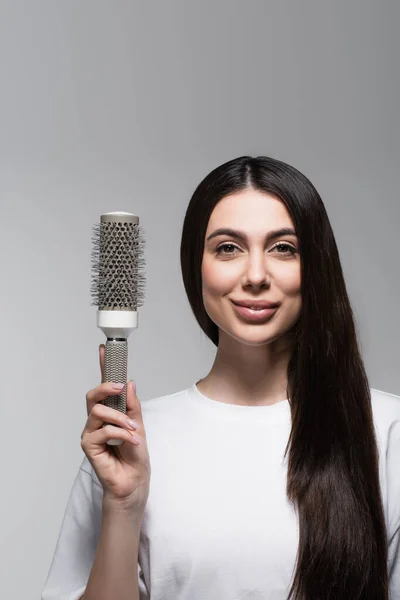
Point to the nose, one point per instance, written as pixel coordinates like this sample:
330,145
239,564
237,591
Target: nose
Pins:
256,272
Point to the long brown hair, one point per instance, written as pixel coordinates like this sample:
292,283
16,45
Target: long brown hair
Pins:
333,476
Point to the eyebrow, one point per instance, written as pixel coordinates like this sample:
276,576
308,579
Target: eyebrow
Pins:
242,236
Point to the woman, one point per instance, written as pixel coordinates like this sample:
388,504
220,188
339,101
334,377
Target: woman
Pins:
275,475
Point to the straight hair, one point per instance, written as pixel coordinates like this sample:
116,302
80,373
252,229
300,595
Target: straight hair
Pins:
333,475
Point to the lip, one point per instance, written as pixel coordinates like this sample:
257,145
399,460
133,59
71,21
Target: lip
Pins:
255,303
251,316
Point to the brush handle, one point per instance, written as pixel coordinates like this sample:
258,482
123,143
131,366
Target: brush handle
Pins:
116,370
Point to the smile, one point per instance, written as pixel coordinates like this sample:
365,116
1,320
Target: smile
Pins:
254,314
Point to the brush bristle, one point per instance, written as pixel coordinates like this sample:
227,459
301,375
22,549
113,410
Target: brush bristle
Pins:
118,278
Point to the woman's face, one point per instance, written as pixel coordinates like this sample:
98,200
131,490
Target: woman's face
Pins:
253,268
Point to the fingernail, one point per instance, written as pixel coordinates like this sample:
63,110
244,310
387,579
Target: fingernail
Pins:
133,385
132,424
136,439
117,386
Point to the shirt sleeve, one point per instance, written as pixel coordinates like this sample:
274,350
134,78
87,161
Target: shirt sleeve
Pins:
393,482
77,541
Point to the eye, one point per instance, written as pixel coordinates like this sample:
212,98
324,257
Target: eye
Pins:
291,250
223,246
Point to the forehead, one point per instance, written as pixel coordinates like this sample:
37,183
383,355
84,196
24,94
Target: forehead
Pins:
251,210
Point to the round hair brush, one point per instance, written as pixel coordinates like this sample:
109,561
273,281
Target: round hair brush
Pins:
117,289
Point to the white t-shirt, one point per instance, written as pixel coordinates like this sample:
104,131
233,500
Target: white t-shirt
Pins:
217,524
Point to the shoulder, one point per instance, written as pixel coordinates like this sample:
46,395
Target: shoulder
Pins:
386,412
164,408
386,416
386,402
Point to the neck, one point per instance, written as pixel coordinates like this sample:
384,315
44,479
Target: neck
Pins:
247,375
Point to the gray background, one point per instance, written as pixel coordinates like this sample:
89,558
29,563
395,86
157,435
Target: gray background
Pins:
126,106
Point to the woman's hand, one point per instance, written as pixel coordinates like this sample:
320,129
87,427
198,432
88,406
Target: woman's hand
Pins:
123,471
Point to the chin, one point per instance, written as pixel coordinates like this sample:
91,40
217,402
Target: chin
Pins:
255,336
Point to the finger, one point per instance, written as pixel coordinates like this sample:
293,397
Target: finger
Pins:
101,360
105,414
133,406
109,432
100,393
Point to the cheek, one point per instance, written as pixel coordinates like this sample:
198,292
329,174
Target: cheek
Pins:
216,279
289,281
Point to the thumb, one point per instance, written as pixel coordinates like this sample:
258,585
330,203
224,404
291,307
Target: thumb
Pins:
133,406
